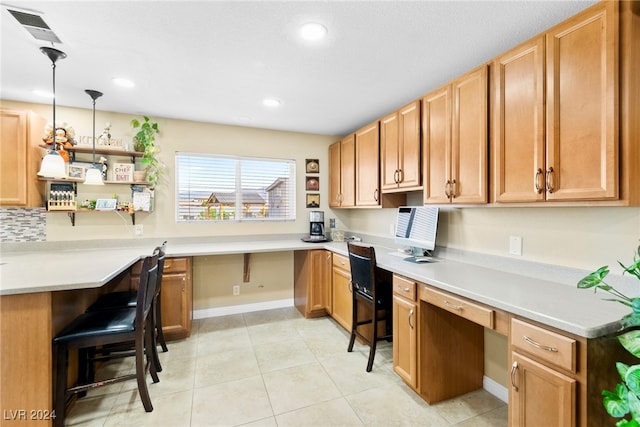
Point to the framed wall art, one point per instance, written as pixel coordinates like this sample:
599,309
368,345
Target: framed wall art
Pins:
312,165
313,200
313,183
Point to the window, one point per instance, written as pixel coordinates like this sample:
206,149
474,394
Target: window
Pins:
230,188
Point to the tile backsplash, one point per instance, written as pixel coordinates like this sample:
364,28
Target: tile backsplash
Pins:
23,225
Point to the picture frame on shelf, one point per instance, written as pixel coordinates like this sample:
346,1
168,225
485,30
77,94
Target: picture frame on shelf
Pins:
312,183
122,172
312,165
76,171
106,204
313,201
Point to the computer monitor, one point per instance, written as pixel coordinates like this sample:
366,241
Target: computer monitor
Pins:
416,226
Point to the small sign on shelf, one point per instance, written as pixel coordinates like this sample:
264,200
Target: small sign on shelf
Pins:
123,172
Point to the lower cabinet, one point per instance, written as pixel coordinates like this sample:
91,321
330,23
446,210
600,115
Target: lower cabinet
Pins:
405,330
311,286
175,299
341,299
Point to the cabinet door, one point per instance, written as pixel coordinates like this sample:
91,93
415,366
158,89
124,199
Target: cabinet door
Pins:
176,305
318,296
334,174
518,124
540,396
348,171
469,137
436,129
405,340
582,113
410,172
389,152
20,159
342,302
367,169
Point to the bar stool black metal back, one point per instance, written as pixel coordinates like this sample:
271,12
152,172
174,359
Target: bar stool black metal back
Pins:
371,297
105,327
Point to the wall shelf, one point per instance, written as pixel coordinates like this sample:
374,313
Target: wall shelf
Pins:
72,214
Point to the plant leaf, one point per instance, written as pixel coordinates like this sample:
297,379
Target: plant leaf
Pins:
594,279
631,319
632,379
615,405
622,370
631,342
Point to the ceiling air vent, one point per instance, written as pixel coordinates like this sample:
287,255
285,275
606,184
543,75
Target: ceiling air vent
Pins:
35,25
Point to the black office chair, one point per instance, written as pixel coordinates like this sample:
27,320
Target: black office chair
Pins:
106,327
372,292
123,299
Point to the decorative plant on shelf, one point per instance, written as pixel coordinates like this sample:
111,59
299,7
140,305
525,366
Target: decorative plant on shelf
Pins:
625,399
144,141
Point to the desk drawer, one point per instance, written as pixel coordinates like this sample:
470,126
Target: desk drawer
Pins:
548,346
341,261
457,305
171,265
404,287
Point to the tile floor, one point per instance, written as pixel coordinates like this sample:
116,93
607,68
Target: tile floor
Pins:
275,368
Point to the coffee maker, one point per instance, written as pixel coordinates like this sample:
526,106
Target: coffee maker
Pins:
316,227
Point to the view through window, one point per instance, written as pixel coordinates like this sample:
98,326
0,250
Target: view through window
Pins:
230,188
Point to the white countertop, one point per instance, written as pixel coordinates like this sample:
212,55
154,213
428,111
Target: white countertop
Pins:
555,304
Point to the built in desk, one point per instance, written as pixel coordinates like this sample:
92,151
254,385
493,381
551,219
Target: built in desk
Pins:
39,281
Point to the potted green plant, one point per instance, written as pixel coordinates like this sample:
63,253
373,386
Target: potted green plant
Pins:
624,401
144,142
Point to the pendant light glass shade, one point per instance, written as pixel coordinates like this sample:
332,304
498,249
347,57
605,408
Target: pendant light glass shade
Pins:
94,175
53,164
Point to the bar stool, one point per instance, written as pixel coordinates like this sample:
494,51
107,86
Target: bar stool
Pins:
370,292
98,328
124,299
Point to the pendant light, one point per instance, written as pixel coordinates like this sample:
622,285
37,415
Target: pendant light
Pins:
53,164
94,175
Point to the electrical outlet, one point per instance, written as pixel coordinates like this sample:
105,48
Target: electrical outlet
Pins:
138,229
236,289
332,223
515,245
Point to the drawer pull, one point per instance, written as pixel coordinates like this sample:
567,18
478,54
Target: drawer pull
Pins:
167,265
410,316
514,368
453,306
540,346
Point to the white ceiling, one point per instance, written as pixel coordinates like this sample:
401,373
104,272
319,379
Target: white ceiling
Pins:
215,61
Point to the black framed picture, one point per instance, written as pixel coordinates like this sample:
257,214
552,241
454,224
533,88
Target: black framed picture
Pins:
312,165
313,183
313,200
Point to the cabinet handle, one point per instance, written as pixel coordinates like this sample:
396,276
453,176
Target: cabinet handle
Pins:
167,265
395,176
400,176
453,306
447,189
536,181
454,191
410,316
375,195
514,368
549,180
540,346
350,286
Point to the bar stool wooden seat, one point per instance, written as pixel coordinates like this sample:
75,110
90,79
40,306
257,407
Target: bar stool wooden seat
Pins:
105,327
370,294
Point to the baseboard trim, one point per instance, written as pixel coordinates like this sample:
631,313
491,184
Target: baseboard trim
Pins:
244,308
496,389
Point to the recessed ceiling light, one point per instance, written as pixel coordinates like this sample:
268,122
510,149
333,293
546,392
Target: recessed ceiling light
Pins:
271,102
313,31
123,82
42,93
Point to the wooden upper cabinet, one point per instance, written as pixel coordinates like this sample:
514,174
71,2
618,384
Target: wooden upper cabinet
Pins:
342,173
400,149
518,123
582,106
455,153
367,169
575,158
20,160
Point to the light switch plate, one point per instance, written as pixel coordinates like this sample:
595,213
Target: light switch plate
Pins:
515,245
